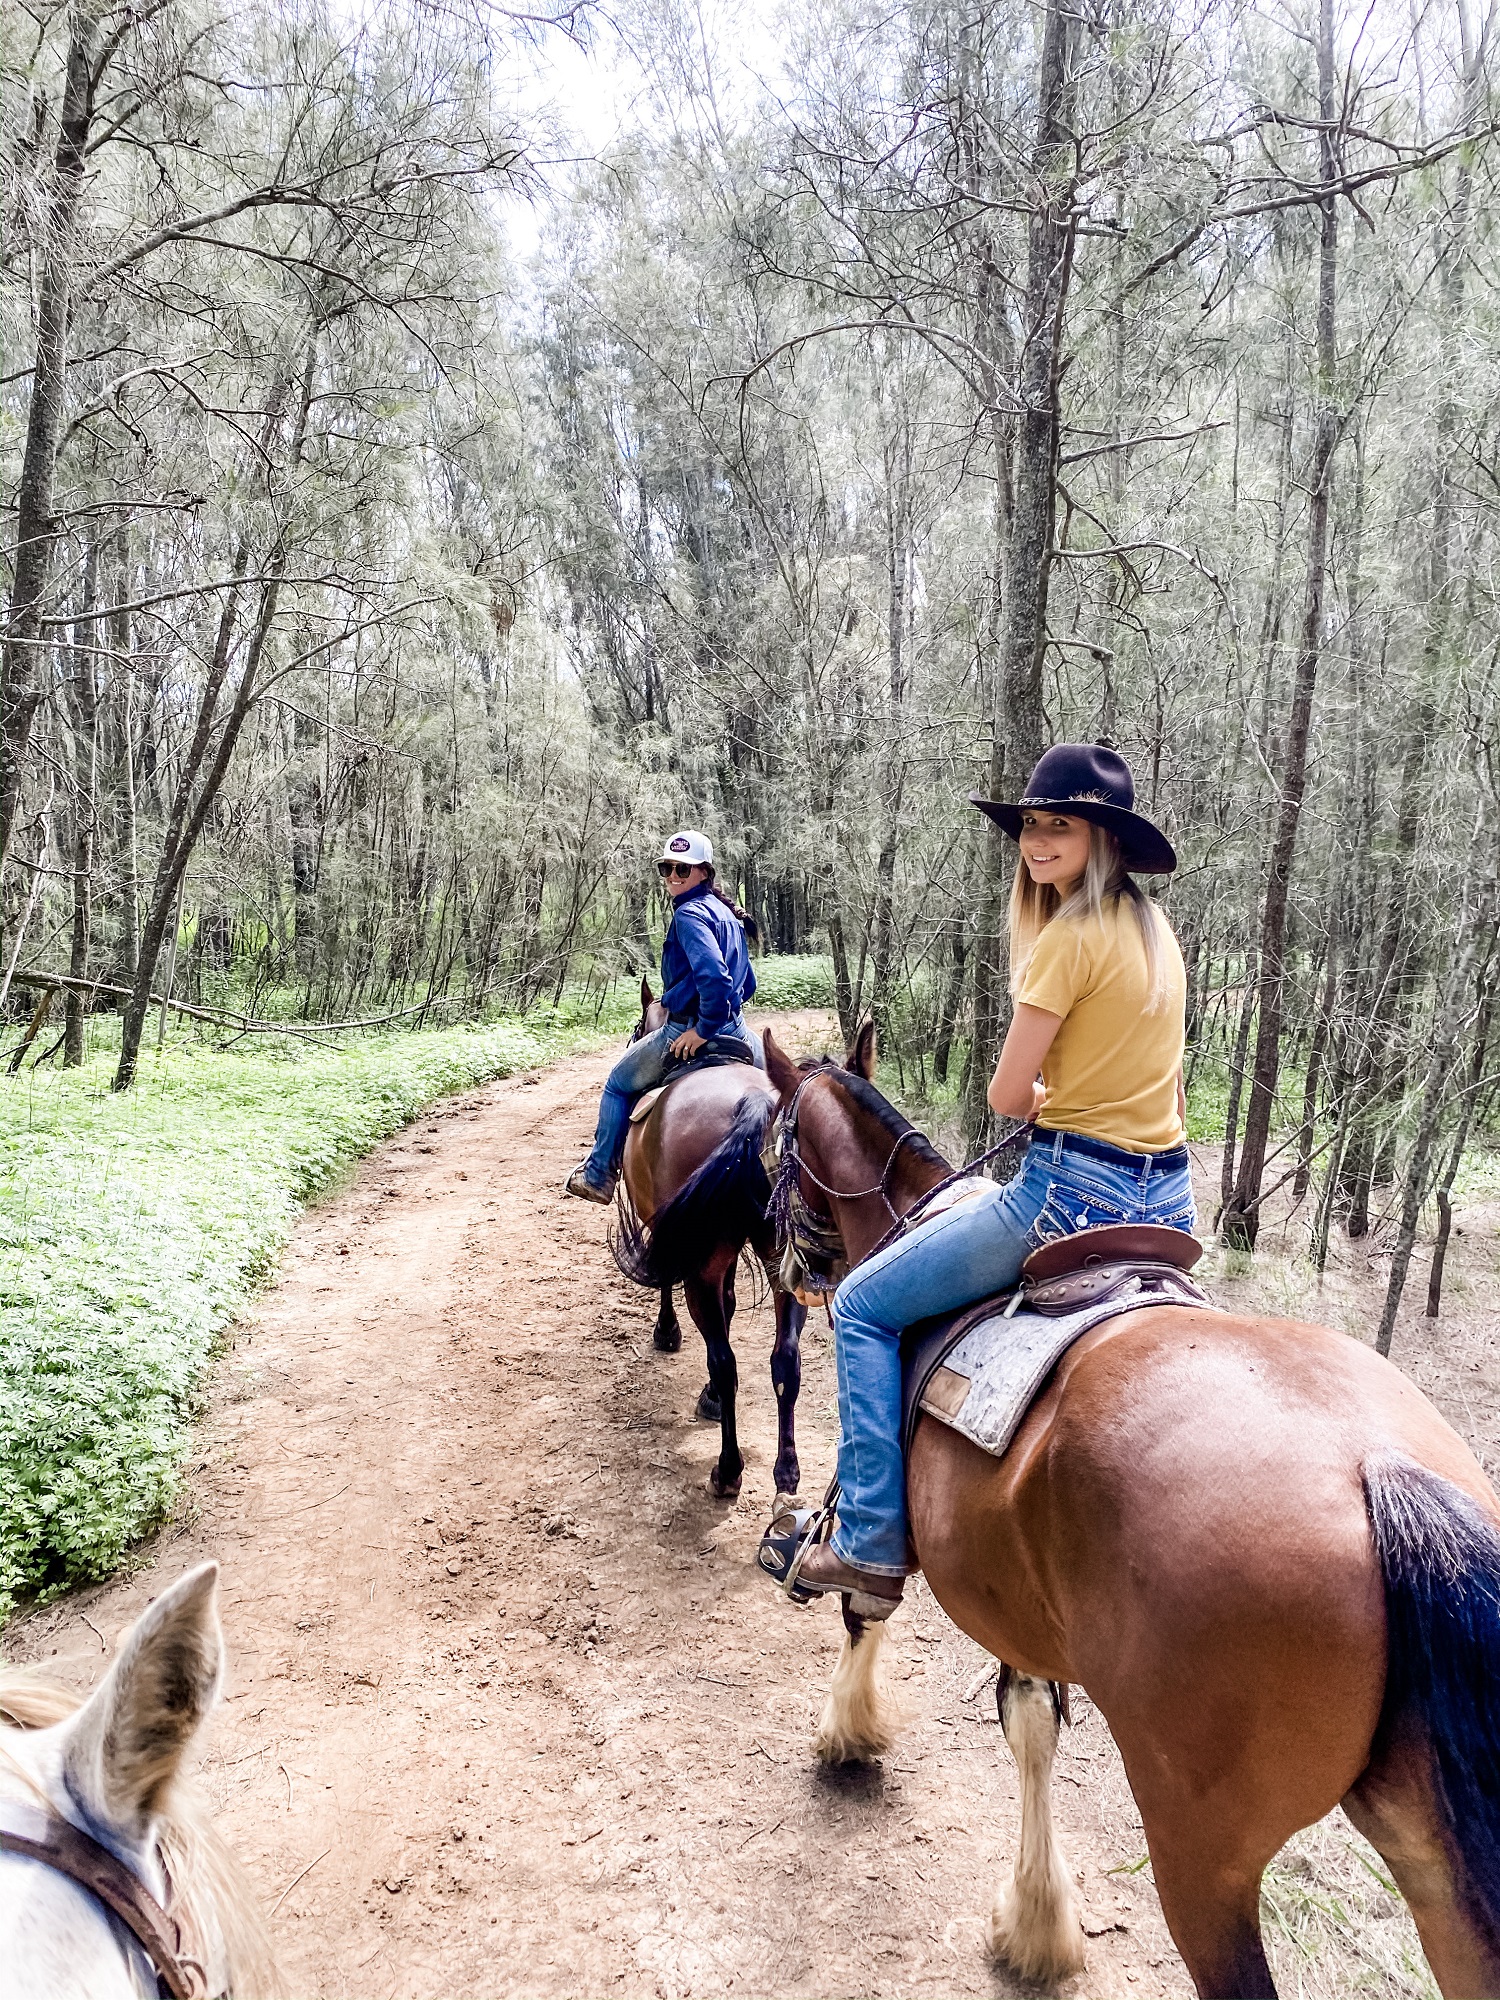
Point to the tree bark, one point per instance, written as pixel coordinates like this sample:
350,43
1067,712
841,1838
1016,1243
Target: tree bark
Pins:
36,530
201,777
1019,725
1439,1069
85,720
1240,1223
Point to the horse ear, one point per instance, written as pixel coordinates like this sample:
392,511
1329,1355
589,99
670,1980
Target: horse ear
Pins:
861,1057
780,1068
647,996
123,1748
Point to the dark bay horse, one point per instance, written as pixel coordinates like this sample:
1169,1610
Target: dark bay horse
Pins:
697,1196
1271,1564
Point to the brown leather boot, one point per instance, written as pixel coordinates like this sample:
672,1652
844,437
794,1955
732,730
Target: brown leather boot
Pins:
579,1183
822,1570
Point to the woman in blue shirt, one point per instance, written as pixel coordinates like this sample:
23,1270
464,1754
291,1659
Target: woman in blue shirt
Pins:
706,980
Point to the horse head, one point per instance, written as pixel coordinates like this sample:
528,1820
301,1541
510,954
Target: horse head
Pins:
93,1819
653,1014
850,1163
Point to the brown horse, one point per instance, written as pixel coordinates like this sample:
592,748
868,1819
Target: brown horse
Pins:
697,1191
1262,1552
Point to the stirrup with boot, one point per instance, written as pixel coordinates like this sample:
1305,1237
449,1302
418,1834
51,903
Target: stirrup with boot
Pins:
795,1551
870,1596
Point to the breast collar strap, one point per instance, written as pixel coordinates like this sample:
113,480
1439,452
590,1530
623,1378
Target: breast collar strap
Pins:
47,1837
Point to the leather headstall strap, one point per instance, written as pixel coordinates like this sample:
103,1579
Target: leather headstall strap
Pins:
47,1837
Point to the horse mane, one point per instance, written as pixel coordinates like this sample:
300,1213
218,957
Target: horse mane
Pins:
205,1872
880,1107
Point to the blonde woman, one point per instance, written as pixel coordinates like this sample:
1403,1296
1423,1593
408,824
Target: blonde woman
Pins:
1093,1060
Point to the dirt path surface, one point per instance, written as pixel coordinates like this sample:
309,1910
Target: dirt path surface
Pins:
510,1710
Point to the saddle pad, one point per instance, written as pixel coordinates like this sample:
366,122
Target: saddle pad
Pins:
642,1106
984,1384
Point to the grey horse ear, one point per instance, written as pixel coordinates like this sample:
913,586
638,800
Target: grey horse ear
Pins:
861,1057
123,1748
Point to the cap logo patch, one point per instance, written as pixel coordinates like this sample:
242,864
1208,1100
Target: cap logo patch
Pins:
679,845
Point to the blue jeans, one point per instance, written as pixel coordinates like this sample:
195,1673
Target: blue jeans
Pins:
959,1257
643,1066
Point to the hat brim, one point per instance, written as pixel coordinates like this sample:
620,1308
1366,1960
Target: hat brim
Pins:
1144,848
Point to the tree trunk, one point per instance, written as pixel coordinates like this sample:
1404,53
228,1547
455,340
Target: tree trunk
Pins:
1241,1220
1314,1076
894,750
1394,980
85,721
127,853
1456,1151
20,677
1020,723
953,993
1439,1069
200,779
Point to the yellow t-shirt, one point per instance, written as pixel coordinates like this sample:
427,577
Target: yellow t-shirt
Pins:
1111,1073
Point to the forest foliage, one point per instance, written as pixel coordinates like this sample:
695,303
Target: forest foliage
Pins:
963,380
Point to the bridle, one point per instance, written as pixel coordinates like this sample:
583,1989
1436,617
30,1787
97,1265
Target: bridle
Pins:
813,1239
40,1834
808,1234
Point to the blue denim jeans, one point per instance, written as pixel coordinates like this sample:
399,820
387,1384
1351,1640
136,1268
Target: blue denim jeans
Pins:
645,1064
959,1257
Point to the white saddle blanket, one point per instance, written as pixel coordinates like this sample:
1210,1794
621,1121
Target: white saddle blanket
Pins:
985,1386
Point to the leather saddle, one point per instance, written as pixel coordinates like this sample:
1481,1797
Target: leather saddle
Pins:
1120,1268
713,1055
1093,1265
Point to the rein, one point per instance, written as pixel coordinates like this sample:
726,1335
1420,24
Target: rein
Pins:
47,1837
807,1233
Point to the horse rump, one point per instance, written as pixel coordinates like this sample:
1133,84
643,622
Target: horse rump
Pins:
724,1201
1440,1559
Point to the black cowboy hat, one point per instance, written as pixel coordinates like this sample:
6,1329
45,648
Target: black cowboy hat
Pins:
1089,781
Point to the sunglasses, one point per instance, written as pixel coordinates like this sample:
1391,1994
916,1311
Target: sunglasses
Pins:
681,869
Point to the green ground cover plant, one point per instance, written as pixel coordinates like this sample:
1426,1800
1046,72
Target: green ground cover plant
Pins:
135,1227
793,981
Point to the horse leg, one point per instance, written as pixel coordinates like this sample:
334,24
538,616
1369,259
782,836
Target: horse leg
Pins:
786,1373
1393,1805
667,1333
708,1396
711,1302
1210,1897
1035,1925
859,1720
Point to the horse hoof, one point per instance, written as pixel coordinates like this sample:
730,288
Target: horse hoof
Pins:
725,1489
667,1339
785,1503
708,1405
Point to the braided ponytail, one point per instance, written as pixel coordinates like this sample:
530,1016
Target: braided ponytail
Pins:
752,929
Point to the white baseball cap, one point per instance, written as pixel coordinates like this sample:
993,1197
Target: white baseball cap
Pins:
689,845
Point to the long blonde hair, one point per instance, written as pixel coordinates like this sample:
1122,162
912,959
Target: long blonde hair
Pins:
1033,905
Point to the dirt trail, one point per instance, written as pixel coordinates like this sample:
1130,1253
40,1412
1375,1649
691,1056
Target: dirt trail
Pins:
510,1711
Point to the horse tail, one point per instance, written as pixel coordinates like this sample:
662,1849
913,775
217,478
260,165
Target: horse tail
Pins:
1440,1558
724,1201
